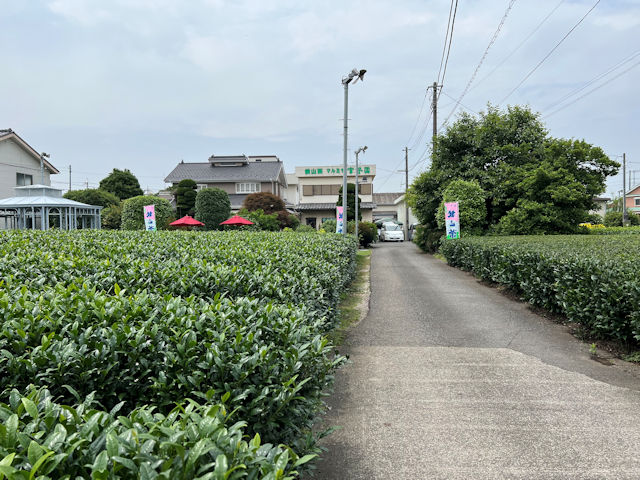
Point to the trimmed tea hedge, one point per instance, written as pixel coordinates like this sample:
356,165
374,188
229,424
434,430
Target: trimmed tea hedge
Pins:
40,438
142,321
591,279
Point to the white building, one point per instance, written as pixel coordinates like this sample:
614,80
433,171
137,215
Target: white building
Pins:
315,191
20,164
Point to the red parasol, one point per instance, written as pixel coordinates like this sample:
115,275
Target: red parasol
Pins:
187,221
236,220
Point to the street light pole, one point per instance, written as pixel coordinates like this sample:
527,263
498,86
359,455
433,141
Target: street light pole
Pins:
42,155
358,75
361,149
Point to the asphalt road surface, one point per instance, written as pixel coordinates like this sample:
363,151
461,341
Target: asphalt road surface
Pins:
451,379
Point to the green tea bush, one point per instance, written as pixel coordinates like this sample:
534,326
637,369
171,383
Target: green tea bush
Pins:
133,212
129,319
41,438
368,233
591,279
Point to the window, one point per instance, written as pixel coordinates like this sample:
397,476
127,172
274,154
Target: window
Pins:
364,189
200,186
23,179
637,199
247,187
307,190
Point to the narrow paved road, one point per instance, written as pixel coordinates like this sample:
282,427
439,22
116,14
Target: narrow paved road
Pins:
450,379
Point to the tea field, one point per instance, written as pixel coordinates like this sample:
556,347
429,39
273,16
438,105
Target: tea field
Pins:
165,355
591,279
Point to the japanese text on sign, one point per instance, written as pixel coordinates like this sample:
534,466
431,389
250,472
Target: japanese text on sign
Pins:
452,220
150,218
339,219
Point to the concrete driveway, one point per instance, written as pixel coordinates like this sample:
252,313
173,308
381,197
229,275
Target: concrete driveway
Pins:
449,379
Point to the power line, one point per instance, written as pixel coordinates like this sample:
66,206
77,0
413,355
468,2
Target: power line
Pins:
592,90
592,81
475,72
519,45
446,36
419,115
453,20
462,104
549,54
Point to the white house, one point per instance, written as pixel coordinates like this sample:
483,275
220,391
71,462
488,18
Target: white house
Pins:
20,164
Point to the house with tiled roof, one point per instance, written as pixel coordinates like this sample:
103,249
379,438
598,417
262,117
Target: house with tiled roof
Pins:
238,175
20,164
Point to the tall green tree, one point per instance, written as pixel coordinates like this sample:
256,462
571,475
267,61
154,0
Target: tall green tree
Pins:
186,197
351,204
133,212
550,183
212,207
471,201
122,183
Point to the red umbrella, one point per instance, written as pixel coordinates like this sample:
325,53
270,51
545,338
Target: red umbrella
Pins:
236,220
187,221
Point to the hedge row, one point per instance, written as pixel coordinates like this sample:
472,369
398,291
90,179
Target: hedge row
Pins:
592,280
141,321
40,438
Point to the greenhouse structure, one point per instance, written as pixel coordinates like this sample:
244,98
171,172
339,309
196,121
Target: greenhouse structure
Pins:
41,207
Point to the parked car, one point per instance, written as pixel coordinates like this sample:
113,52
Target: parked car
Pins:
412,230
391,232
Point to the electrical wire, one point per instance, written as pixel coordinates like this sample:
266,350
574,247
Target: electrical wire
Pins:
424,100
446,36
486,51
592,81
444,72
549,54
592,90
528,37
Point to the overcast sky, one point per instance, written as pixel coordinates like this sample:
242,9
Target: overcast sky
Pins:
143,84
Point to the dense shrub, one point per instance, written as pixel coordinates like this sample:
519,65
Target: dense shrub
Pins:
212,207
133,212
111,217
427,239
614,219
589,278
368,233
286,219
262,221
265,201
329,226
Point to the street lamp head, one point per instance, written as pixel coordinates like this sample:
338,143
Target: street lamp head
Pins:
355,73
45,155
364,148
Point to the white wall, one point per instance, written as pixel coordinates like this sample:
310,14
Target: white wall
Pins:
13,160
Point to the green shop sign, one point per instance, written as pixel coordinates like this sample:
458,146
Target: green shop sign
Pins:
336,170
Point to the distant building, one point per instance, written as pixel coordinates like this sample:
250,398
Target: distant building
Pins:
20,164
316,193
237,175
392,205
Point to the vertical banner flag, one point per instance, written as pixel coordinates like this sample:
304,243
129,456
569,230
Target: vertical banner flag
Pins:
150,218
339,219
452,220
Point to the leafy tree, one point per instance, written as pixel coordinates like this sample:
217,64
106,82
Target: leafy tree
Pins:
186,197
285,219
351,204
212,207
367,233
544,184
122,183
133,212
471,201
265,201
93,196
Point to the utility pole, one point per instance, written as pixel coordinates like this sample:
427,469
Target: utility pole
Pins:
69,177
625,219
434,106
406,191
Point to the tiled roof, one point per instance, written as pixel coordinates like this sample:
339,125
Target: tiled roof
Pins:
386,198
331,206
204,172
